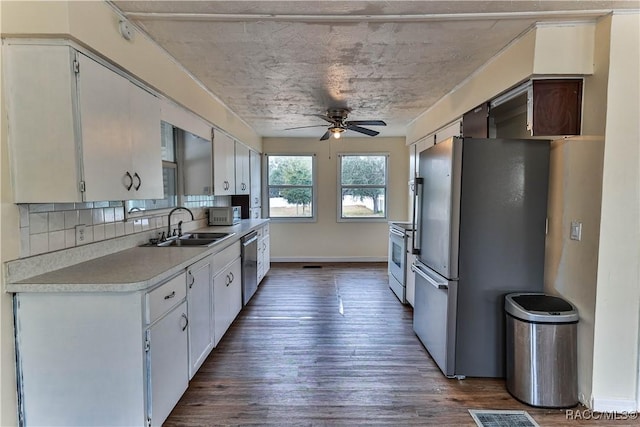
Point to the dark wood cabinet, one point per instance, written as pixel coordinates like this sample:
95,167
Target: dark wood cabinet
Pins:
475,123
557,107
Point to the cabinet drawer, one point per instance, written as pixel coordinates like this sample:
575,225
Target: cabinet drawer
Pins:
221,259
263,231
163,298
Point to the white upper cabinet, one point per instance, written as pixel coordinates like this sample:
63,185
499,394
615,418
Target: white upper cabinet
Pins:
256,179
242,169
197,161
224,181
78,131
120,134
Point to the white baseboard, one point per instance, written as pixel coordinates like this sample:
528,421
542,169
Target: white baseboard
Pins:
329,259
613,405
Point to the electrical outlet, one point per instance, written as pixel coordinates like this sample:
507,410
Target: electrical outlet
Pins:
81,237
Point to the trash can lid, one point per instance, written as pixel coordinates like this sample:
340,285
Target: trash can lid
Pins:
540,308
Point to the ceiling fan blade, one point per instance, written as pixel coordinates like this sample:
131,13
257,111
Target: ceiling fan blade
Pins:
325,136
366,122
323,118
302,127
362,130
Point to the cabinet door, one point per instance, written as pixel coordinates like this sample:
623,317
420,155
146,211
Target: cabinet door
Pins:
557,107
242,169
168,363
234,294
199,294
197,160
224,182
266,253
146,151
106,133
255,178
255,213
227,298
41,131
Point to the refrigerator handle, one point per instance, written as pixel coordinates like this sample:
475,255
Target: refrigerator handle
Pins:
417,215
438,284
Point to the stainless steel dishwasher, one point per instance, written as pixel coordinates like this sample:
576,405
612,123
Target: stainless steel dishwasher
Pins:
249,266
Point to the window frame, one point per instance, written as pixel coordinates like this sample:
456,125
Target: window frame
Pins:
340,186
266,210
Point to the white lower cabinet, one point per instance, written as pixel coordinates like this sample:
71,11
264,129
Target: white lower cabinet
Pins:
101,358
199,300
124,358
264,252
167,358
227,295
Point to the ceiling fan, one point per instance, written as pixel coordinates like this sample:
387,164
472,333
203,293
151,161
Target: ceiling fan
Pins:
339,123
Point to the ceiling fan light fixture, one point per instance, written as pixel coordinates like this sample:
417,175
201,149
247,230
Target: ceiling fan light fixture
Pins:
336,132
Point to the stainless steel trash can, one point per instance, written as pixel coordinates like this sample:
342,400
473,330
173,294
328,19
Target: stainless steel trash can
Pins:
541,350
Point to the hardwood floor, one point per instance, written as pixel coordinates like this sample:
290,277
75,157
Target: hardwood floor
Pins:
332,346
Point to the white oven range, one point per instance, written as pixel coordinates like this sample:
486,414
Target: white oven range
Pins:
398,240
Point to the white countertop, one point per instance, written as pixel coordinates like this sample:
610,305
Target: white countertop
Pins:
132,269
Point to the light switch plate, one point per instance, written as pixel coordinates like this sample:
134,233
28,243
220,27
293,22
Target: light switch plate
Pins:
576,230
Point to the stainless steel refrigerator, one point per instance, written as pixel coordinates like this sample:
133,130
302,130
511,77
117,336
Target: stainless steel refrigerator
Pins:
480,214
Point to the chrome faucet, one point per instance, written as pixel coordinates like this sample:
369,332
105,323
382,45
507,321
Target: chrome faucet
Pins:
180,223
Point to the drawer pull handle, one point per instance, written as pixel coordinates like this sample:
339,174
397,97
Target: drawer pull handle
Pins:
135,175
171,295
186,323
228,281
193,280
232,277
128,175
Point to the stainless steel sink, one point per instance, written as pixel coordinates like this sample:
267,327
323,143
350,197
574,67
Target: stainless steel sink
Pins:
193,239
199,236
187,242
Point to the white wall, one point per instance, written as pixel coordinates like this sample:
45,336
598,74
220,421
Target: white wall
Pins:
327,239
616,357
575,192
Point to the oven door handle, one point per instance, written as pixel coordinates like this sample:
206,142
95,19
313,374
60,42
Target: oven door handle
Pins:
396,232
438,284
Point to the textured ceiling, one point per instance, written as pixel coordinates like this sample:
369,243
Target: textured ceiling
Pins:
276,63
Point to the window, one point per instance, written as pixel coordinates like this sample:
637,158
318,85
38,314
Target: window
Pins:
362,192
290,185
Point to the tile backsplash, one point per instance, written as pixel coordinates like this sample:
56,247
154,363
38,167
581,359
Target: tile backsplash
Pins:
48,227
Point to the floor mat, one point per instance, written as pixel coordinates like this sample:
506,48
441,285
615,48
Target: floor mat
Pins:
490,418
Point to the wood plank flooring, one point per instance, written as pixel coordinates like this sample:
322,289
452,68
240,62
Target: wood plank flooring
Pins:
332,346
